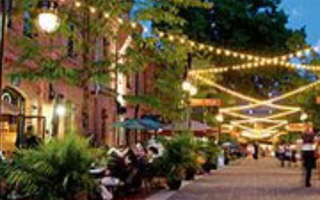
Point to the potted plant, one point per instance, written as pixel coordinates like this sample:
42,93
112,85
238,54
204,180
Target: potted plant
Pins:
177,158
56,170
194,166
210,150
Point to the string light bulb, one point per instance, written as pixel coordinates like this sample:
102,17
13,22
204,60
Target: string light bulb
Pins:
92,9
77,4
106,15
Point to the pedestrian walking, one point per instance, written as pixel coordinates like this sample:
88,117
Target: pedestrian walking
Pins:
293,150
281,154
287,154
308,153
256,151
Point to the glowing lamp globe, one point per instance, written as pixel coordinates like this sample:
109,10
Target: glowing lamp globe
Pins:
219,118
61,110
304,116
186,85
193,91
48,21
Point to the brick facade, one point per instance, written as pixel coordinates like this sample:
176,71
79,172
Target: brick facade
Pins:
41,98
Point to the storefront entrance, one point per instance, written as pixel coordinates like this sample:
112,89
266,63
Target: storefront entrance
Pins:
16,126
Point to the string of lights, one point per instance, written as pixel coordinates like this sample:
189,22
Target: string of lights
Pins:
257,102
258,120
276,126
231,53
247,98
252,65
196,45
270,117
254,61
253,131
249,119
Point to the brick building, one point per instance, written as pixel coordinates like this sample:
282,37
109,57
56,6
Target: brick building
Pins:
38,104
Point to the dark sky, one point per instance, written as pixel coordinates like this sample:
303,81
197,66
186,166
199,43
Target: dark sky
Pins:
305,13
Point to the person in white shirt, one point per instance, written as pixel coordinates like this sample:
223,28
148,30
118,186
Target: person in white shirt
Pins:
308,153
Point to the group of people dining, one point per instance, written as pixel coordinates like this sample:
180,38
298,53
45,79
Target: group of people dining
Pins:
127,168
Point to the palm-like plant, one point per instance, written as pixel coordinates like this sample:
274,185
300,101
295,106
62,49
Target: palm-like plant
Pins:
210,150
54,171
179,155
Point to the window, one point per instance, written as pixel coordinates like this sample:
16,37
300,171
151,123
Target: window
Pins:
98,50
9,4
105,46
70,44
27,26
70,117
128,81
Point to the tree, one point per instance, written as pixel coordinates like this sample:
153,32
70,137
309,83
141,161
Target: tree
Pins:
256,27
83,29
170,59
84,25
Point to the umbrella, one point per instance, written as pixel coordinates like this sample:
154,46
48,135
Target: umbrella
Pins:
188,125
132,124
151,124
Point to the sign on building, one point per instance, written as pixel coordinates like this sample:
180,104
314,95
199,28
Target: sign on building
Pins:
296,127
205,102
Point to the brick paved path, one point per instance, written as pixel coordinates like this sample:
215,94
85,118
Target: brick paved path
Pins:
251,180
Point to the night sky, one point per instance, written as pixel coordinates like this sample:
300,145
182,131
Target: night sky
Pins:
302,13
305,13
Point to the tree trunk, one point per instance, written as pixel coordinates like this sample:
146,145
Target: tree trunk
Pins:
86,72
136,110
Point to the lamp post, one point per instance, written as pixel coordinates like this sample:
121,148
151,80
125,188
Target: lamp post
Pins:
191,90
3,27
220,119
47,20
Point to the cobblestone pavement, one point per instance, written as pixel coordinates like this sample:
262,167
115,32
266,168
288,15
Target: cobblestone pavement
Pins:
252,180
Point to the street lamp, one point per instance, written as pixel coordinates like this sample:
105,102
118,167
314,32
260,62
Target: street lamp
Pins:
189,88
220,119
3,27
304,116
60,110
186,85
48,19
191,91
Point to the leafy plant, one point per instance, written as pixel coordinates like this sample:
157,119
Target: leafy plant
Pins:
56,170
179,155
211,151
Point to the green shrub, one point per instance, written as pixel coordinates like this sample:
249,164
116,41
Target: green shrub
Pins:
58,170
210,150
179,155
